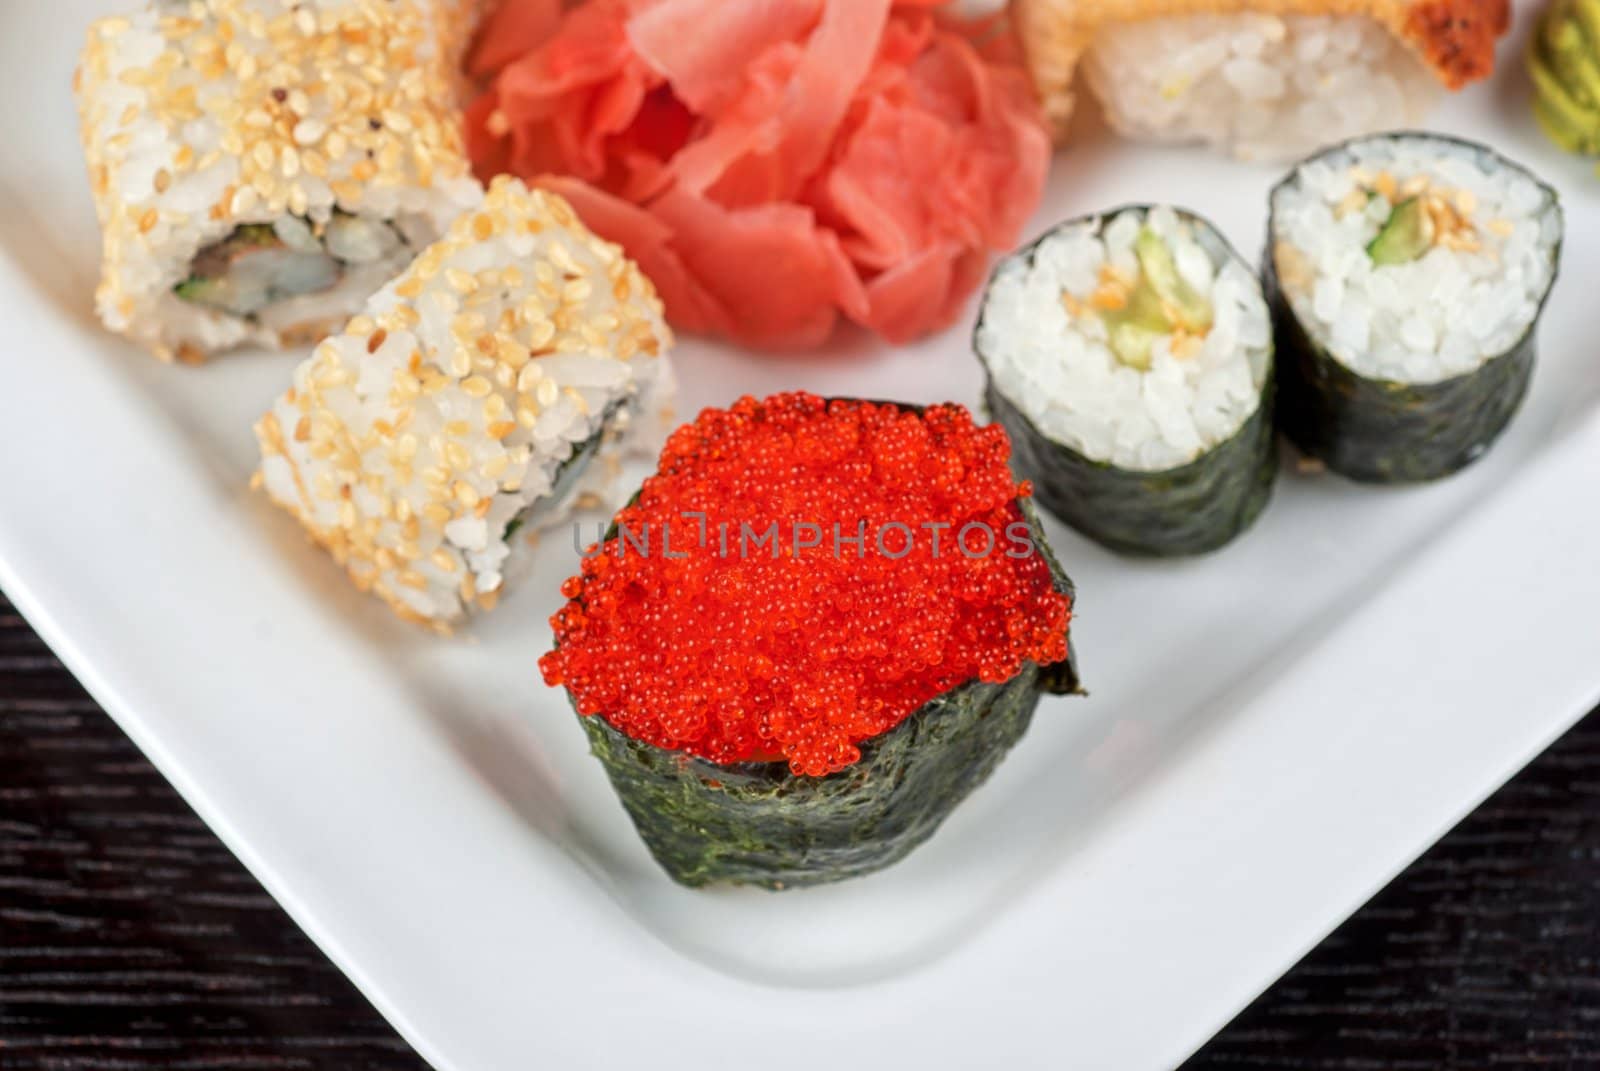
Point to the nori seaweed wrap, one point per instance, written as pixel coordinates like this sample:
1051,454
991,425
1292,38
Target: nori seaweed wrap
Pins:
1406,273
1129,355
813,716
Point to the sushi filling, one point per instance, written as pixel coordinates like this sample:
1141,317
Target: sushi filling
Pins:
1413,259
260,265
1137,340
1139,312
801,576
569,482
1260,86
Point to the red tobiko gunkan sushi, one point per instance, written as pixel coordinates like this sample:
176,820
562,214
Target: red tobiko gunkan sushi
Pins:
812,633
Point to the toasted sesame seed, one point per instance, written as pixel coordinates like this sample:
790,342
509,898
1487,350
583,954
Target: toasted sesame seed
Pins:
309,131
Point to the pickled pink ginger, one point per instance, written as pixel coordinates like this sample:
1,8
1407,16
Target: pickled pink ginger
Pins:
772,165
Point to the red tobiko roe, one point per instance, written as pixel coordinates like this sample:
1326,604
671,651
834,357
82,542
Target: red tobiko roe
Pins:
687,631
772,166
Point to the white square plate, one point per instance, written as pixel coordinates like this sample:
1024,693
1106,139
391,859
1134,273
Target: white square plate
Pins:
1274,730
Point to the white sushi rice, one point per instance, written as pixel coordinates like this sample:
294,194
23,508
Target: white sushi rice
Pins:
1257,85
1443,314
1059,370
409,443
198,117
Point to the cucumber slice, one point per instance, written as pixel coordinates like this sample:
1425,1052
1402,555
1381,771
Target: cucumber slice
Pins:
1182,305
1131,341
255,234
196,288
1161,302
1405,235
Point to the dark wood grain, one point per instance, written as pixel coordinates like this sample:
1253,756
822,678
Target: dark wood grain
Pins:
131,940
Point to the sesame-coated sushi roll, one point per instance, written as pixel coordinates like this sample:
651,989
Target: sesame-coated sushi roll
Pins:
814,632
501,376
1129,354
1406,274
260,168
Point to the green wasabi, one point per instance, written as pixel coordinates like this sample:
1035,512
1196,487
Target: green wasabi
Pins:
1564,64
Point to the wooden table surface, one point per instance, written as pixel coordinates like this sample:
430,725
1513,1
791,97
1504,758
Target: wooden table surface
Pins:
130,939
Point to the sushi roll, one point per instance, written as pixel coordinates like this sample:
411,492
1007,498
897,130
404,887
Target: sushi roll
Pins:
1129,354
1267,79
817,628
496,381
260,168
1406,274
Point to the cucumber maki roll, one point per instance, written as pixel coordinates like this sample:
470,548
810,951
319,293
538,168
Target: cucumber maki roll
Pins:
1406,274
814,631
1129,354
